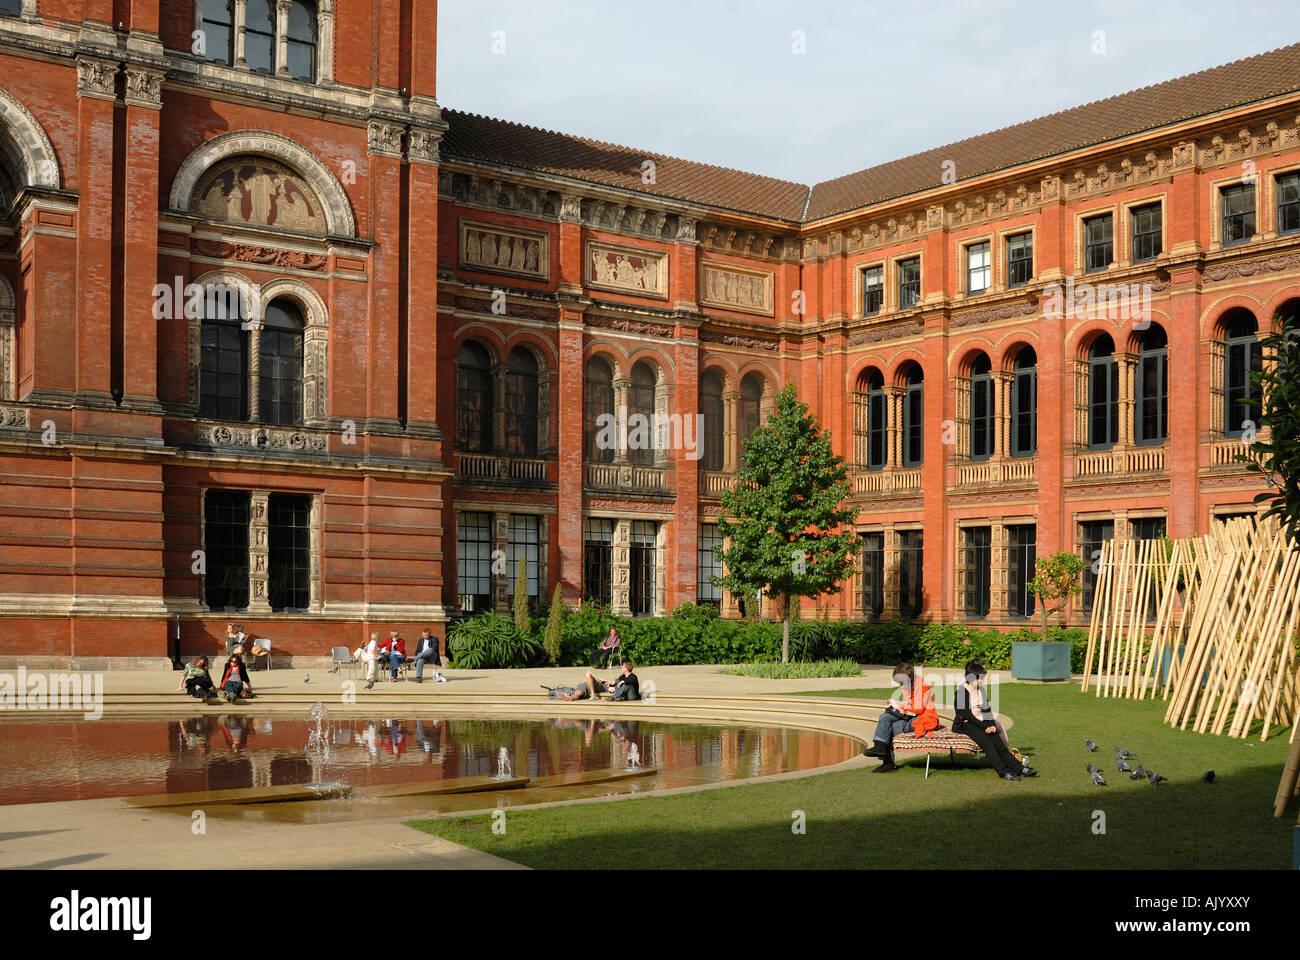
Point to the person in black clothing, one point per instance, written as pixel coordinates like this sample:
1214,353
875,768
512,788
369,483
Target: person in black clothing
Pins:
626,685
974,719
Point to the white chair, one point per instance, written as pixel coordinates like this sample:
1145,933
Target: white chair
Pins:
263,644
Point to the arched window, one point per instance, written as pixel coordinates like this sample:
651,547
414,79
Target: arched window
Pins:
914,418
280,380
712,410
1103,394
521,404
871,421
1151,388
597,401
302,41
218,25
473,399
751,406
641,400
259,35
981,408
223,376
1241,357
1024,404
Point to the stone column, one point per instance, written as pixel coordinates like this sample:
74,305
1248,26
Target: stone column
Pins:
259,551
959,574
1002,385
621,415
731,431
255,371
282,37
661,570
501,578
999,568
1125,367
498,407
316,599
325,41
241,25
894,427
620,578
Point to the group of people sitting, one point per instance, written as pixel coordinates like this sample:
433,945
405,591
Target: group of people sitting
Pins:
197,681
625,686
912,711
393,652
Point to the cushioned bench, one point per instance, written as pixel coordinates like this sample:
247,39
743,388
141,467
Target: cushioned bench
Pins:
941,741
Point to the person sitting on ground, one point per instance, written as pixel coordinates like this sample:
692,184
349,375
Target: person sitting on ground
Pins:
369,655
975,719
607,649
426,648
196,681
912,711
234,681
395,650
625,686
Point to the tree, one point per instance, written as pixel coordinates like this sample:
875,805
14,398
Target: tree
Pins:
1277,457
784,522
522,623
551,640
1055,578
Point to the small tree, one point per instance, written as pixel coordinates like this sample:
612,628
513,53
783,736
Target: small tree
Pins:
1056,578
551,640
784,521
1277,457
522,622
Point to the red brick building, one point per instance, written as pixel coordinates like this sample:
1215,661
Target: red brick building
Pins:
284,342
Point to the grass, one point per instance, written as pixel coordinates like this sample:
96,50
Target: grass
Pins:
796,671
860,819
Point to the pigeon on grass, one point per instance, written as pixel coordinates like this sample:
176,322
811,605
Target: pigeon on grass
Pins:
1137,774
1155,777
1092,747
1122,765
1095,776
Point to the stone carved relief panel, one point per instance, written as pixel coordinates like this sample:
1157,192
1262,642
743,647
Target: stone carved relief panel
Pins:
626,270
255,191
736,288
496,249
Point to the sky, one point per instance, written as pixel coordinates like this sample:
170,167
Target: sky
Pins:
808,90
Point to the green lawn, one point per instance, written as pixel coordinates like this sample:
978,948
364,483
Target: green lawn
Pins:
960,816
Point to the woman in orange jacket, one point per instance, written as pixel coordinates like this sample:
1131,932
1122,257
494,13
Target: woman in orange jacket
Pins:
911,712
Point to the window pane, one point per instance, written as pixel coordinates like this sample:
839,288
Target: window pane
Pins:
218,30
289,560
909,572
1020,601
598,402
259,35
302,42
1020,259
709,565
473,400
873,290
1095,533
223,371
978,267
521,405
225,544
643,573
1098,248
909,283
1238,213
524,542
873,574
280,384
1288,203
598,559
474,561
978,570
711,408
1147,243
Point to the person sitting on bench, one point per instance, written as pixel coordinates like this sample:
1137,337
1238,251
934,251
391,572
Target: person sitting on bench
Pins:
975,719
911,712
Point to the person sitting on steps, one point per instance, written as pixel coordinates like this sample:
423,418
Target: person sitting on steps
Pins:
912,712
196,681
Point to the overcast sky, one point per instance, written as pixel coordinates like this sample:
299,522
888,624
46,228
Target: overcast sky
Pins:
717,81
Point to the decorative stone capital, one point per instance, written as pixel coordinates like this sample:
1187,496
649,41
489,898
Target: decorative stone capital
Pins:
143,88
685,230
96,78
424,146
571,208
385,139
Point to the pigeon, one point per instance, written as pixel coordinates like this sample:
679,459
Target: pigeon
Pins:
1208,776
1155,777
1137,774
1125,754
1122,765
1095,775
1092,747
306,678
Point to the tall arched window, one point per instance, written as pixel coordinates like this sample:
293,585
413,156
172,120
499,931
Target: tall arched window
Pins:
1024,404
473,399
280,380
521,404
714,428
981,408
641,400
259,35
218,24
1241,357
302,41
597,400
1151,389
751,406
223,376
1103,394
871,421
914,418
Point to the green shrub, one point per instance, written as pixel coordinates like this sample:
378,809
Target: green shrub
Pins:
954,644
553,639
796,671
491,640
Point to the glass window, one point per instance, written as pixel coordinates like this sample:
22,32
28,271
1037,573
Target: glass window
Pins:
259,35
521,404
870,421
914,418
642,575
873,290
1150,528
1241,357
1020,259
289,560
910,565
711,408
281,365
751,406
302,41
909,283
225,545
474,561
709,565
473,399
218,30
1103,394
11,8
597,402
1147,239
641,400
597,559
978,570
1152,387
1023,551
1238,213
1024,404
1093,534
1288,202
1099,246
982,414
873,575
223,371
524,542
979,267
